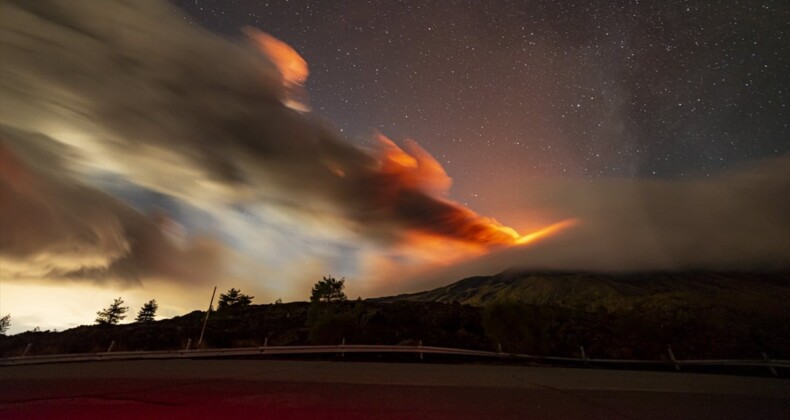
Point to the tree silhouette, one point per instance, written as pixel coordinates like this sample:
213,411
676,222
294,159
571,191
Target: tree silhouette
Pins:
147,312
328,290
234,297
5,322
113,314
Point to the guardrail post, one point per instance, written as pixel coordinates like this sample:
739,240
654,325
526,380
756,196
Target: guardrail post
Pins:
342,347
266,342
499,349
584,355
27,349
771,368
672,357
420,346
112,344
189,344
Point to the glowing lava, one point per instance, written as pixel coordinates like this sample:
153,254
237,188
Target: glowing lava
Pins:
546,231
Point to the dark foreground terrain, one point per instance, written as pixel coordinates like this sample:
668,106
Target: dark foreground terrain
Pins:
693,333
288,389
702,315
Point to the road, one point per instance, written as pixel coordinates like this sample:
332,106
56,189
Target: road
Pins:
275,389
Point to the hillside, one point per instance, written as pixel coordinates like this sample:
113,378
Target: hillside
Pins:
766,293
275,324
697,316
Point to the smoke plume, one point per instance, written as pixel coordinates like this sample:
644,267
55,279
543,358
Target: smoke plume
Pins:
738,221
129,88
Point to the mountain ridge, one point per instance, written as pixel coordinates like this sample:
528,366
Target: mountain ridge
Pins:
766,292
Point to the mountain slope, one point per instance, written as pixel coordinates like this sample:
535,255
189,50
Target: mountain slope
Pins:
752,292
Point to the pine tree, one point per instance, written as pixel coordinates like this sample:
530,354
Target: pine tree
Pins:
5,322
147,312
328,290
113,314
234,297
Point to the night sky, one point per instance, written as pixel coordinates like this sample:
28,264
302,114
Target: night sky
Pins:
152,149
532,89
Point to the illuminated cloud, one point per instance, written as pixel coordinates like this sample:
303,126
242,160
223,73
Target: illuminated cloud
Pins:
737,221
55,227
135,90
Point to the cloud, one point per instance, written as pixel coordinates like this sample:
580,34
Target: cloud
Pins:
135,90
736,221
54,227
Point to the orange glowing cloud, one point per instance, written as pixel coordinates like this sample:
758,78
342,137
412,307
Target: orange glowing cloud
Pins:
290,64
414,184
292,67
414,169
409,185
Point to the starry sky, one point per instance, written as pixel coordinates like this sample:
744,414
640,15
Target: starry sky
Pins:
502,89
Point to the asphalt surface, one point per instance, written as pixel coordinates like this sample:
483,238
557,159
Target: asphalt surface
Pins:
197,389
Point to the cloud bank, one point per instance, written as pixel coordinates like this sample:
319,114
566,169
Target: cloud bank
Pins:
55,227
737,221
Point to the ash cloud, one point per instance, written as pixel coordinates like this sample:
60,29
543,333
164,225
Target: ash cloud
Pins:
134,90
738,221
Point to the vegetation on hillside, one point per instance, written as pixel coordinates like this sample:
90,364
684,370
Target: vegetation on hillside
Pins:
519,327
5,322
148,312
766,293
328,321
113,314
642,330
234,298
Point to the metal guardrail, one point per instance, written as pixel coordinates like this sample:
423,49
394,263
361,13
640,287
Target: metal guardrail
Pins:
357,348
248,351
